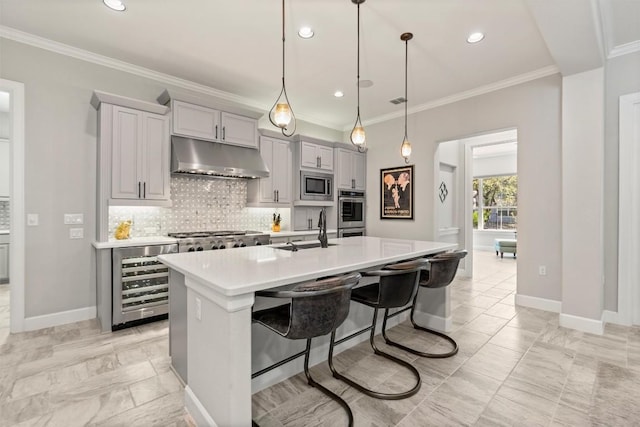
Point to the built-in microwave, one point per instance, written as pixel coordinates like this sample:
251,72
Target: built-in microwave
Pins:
316,186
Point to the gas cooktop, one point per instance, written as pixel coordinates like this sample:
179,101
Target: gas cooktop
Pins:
196,241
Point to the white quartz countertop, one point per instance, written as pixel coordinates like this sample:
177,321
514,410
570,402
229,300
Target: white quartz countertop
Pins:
246,270
135,241
4,231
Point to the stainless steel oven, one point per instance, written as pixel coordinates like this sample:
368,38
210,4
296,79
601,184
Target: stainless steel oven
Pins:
351,232
351,209
316,186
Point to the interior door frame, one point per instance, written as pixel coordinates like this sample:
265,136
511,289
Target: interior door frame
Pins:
628,213
17,203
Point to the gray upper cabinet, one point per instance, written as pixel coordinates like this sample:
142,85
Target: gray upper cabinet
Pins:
277,188
139,155
4,169
206,123
351,169
316,156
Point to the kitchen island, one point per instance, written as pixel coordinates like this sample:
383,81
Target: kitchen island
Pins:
220,287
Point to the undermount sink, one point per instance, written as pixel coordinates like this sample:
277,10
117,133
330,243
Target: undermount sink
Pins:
301,246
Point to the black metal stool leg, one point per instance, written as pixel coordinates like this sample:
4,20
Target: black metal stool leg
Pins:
372,393
421,328
323,389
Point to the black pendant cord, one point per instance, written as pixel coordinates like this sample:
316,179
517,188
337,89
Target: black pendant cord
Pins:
284,89
358,120
406,101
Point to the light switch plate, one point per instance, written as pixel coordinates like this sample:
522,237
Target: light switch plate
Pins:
74,219
32,220
76,233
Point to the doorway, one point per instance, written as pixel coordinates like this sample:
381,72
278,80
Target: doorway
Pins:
484,170
12,128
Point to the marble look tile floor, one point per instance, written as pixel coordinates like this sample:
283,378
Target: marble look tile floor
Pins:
516,366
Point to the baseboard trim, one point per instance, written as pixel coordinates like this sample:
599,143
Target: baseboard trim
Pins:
583,324
196,409
438,323
60,318
539,303
615,318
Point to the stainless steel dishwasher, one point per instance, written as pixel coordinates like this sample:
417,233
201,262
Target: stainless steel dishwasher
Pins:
140,284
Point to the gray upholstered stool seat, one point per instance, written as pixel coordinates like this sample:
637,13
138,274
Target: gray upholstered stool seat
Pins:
442,270
395,288
316,309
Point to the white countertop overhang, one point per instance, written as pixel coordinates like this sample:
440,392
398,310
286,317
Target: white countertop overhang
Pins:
247,270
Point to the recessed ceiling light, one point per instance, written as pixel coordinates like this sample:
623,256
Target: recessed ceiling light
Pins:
338,94
475,37
366,83
305,32
115,5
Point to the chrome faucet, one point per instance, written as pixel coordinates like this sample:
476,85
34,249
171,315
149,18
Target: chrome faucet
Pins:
322,225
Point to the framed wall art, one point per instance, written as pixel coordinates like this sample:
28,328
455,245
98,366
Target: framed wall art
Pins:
396,198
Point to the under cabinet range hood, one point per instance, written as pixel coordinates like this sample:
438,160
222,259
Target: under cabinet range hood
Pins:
215,160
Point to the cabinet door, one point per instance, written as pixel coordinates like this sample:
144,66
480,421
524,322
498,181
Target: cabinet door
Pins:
309,155
300,219
4,168
267,192
125,153
155,157
359,170
326,157
196,121
343,168
239,130
4,263
282,171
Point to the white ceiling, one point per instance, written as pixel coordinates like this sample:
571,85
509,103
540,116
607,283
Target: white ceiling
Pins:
235,46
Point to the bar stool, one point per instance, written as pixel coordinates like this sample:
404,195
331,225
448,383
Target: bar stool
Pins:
316,308
395,288
442,270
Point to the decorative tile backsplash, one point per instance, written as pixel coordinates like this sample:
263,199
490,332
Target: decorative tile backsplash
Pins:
5,220
199,205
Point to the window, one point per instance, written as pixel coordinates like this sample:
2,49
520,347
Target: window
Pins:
495,203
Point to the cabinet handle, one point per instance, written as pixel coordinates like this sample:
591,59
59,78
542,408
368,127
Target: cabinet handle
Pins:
216,131
138,189
144,190
318,163
223,133
353,183
274,195
277,195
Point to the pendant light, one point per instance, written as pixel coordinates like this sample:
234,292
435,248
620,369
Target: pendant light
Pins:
405,148
281,114
357,134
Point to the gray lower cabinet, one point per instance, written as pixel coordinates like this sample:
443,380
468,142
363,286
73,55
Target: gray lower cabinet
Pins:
178,323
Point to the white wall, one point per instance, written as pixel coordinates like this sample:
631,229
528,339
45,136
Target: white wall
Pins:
534,108
506,164
582,186
60,167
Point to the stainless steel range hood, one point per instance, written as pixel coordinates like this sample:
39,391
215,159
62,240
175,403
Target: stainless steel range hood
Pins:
215,160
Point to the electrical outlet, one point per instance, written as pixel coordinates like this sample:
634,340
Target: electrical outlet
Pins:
542,270
73,219
32,220
198,309
76,233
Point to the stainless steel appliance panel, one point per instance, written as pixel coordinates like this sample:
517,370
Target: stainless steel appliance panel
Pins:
351,209
140,283
351,232
316,186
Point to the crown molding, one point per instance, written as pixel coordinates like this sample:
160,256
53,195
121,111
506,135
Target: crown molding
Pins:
624,49
85,55
512,81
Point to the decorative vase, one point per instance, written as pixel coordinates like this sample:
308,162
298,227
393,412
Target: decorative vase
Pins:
275,227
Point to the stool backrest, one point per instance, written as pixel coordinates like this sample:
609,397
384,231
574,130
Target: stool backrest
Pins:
400,283
442,269
317,308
